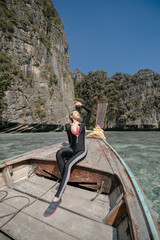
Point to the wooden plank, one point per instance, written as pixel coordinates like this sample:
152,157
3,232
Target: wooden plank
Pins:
2,181
63,220
116,214
93,178
4,237
96,161
101,113
114,195
26,227
95,210
40,153
123,232
41,181
8,179
21,172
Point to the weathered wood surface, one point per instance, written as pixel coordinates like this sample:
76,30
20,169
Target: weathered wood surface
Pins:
137,217
83,176
41,181
123,232
47,153
96,158
102,158
73,199
10,175
95,161
117,213
7,176
30,224
27,227
3,237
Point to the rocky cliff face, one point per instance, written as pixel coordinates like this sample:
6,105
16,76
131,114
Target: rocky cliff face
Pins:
138,101
78,75
36,81
133,100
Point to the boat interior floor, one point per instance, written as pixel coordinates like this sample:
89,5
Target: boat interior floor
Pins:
76,218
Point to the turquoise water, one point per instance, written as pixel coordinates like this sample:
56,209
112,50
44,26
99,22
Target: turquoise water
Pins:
140,150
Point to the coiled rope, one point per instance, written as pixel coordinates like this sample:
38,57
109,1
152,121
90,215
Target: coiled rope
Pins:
29,203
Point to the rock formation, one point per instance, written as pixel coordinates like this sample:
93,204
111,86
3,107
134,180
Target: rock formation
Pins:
36,85
36,81
77,75
133,100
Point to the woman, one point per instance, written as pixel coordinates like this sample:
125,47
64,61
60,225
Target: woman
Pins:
75,153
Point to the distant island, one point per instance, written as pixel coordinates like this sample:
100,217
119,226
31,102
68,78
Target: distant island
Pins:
37,87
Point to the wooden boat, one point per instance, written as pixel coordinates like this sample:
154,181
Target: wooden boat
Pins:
102,200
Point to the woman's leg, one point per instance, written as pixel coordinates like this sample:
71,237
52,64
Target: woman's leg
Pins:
65,176
67,170
60,155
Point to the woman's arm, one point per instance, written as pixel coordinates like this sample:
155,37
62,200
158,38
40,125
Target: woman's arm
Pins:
86,118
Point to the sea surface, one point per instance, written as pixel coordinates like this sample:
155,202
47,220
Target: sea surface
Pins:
140,150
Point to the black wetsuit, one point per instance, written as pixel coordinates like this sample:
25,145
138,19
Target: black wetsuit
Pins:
75,152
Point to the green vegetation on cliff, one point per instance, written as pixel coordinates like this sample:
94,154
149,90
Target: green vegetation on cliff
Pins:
8,19
8,69
34,63
130,98
26,25
50,13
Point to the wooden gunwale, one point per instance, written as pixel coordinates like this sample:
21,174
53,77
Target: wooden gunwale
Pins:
27,156
152,224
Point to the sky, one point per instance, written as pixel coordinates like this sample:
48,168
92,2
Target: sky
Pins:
112,35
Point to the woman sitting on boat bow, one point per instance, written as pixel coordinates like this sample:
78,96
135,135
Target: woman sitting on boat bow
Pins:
75,153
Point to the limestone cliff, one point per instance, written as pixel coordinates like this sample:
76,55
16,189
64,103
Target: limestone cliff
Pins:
133,100
78,75
36,81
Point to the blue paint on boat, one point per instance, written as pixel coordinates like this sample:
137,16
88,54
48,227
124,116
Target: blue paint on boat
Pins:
140,195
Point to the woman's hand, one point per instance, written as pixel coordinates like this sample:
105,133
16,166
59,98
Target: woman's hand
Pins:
76,103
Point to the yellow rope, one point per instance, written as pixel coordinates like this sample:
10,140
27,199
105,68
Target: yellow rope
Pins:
97,131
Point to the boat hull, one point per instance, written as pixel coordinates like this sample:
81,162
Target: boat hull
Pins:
103,171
